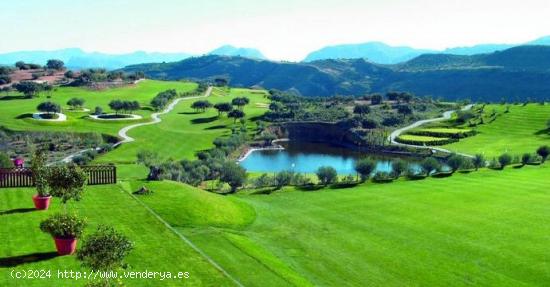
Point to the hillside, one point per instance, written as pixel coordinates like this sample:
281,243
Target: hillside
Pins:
515,74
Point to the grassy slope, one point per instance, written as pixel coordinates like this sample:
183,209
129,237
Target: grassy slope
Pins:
521,130
488,228
156,247
143,92
183,132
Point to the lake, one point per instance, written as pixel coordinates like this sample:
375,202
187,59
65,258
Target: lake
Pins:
307,157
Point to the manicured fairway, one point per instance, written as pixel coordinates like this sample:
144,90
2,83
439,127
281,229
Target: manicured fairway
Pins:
156,247
12,109
521,130
183,131
487,228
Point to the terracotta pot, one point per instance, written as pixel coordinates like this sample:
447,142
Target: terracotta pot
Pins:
41,202
65,246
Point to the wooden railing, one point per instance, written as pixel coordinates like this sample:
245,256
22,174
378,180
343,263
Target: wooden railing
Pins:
22,177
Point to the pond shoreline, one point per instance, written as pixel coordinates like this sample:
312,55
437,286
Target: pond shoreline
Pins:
274,146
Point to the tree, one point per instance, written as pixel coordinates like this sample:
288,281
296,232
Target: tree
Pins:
28,88
104,250
116,105
455,162
376,99
75,103
98,111
326,175
404,110
131,106
233,174
240,102
283,178
223,108
236,114
48,107
364,168
55,64
66,182
276,106
5,161
20,65
504,160
479,161
361,110
201,105
430,165
69,74
40,173
398,167
526,158
543,151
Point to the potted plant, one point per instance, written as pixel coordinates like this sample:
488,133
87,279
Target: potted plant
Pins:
65,229
65,182
39,173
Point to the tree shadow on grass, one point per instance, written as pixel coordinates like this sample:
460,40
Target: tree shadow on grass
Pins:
16,210
27,258
24,116
218,127
542,132
203,120
11,98
189,113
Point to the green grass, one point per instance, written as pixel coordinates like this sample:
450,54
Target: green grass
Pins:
521,130
444,130
183,132
13,111
156,247
426,139
486,228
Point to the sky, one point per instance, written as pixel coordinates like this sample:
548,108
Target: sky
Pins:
281,29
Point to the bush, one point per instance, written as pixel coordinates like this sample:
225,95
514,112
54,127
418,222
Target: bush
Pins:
398,167
104,249
504,160
62,225
233,174
435,141
5,161
66,182
478,161
283,178
263,180
326,175
455,162
364,168
98,111
48,107
543,152
382,177
430,165
526,158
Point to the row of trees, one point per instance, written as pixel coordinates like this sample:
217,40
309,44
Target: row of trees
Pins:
224,107
162,99
126,106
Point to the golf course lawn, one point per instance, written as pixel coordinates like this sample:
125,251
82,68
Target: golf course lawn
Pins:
15,111
25,247
486,228
184,131
522,130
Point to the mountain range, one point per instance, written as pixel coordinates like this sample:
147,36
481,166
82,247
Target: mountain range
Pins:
75,58
517,73
376,52
381,53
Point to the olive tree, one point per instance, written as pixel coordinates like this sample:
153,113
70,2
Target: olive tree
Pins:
364,168
504,160
326,175
478,161
48,107
430,165
543,152
455,162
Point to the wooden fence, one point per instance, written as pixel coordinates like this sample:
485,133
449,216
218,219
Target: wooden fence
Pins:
22,177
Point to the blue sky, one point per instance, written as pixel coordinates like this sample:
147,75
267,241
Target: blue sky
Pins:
282,29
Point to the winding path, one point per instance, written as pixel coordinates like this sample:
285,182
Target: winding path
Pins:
123,133
446,116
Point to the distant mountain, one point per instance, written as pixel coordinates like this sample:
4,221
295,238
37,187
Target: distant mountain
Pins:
75,58
228,50
384,54
373,51
516,73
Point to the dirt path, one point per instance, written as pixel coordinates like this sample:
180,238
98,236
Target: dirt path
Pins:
446,116
123,133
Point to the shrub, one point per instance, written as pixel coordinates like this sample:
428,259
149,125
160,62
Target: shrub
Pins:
40,173
233,174
364,168
478,161
263,180
398,167
105,249
382,176
283,178
66,182
75,103
430,165
326,175
526,158
48,107
98,111
5,161
504,160
543,152
62,225
455,162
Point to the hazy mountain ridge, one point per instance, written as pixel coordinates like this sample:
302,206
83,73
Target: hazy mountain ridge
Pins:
381,53
518,72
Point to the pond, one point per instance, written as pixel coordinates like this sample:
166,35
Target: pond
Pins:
307,157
